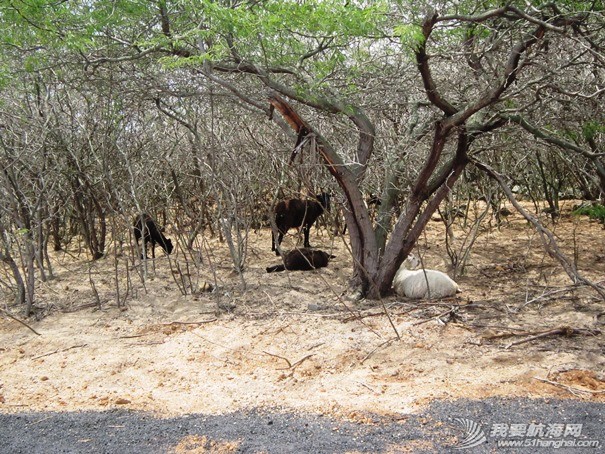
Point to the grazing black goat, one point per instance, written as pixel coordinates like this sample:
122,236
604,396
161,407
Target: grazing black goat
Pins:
296,213
302,260
145,226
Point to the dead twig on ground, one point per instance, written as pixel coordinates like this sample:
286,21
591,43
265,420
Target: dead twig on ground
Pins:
355,315
504,335
316,345
291,366
191,323
572,389
308,314
561,331
547,295
40,420
479,325
376,314
146,343
280,357
135,336
80,307
9,315
300,361
59,351
361,316
387,342
367,387
451,311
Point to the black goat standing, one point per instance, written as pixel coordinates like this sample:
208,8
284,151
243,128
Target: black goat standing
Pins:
145,227
302,259
296,213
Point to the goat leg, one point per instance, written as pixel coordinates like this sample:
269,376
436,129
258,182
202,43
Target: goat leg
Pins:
306,229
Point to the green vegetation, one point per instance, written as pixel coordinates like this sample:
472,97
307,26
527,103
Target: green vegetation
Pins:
595,211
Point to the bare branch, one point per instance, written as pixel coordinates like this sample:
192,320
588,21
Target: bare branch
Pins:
547,237
422,61
9,315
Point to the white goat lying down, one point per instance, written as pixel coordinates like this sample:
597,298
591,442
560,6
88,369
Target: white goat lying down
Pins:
412,283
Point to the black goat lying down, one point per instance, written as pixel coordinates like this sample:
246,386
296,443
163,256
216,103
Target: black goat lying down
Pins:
296,213
302,260
145,227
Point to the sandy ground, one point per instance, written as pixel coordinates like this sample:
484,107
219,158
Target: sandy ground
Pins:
291,341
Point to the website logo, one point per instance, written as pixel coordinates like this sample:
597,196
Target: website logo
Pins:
519,435
473,434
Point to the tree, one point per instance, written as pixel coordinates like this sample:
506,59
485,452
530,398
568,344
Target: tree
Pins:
454,77
462,121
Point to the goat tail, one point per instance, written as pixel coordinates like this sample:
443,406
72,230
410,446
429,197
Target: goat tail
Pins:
275,268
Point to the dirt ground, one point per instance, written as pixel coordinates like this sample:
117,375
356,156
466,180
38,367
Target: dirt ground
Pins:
293,341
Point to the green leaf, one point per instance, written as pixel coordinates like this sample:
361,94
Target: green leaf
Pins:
410,35
591,129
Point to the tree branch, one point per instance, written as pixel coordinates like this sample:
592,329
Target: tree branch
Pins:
548,239
422,62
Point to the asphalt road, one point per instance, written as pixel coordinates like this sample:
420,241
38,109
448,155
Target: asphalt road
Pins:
565,426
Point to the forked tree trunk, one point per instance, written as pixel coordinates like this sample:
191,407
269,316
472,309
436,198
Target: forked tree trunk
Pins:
374,269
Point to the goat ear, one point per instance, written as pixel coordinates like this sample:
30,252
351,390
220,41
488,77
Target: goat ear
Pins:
413,260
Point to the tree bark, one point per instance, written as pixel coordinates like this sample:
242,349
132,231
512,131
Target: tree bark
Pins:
363,240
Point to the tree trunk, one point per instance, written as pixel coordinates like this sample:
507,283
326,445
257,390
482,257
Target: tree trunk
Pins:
6,257
89,210
374,269
373,272
363,240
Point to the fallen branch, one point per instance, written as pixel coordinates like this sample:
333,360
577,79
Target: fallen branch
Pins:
80,307
562,331
387,342
191,323
452,311
290,365
59,351
572,389
9,315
